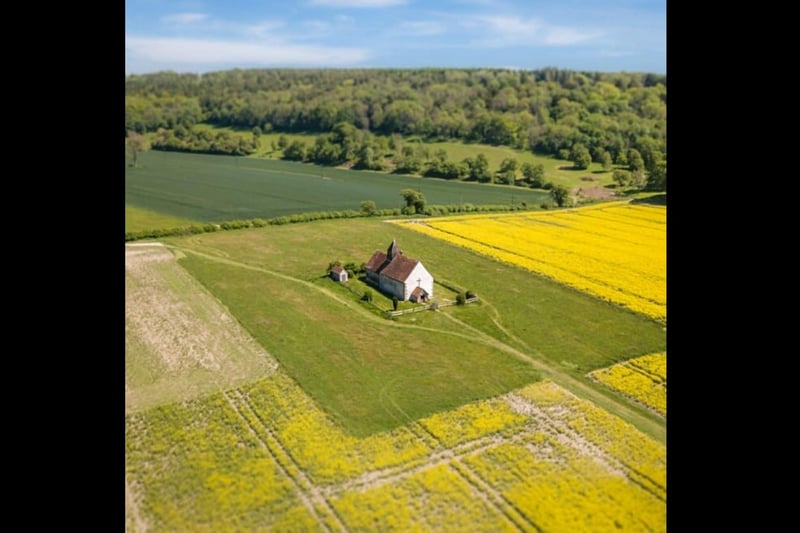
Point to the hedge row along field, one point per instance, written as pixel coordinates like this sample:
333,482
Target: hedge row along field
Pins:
615,251
262,456
643,378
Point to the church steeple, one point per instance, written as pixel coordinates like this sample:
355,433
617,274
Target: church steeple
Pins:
393,250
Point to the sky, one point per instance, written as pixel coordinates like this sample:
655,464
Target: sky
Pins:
211,35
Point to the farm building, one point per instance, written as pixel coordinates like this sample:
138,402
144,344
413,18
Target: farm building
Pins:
339,274
399,275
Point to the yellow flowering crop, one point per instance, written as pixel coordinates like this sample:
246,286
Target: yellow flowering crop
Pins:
614,251
472,421
644,379
433,499
265,457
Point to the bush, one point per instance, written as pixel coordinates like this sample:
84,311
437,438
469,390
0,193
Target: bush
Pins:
470,294
367,295
461,298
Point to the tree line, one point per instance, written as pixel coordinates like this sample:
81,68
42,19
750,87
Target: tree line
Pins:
582,116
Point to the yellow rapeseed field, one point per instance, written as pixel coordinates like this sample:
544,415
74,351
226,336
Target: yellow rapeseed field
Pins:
265,457
644,379
615,251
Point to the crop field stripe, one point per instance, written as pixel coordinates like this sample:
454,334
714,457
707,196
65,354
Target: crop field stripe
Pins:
494,497
589,251
550,265
621,239
488,493
308,493
224,188
569,436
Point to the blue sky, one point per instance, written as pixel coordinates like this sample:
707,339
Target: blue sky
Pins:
208,35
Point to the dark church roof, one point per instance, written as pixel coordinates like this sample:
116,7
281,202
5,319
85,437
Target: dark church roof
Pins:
392,264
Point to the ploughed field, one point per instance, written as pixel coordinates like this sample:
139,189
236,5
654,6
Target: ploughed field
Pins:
303,409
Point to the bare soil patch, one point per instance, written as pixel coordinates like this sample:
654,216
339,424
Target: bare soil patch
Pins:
596,192
180,341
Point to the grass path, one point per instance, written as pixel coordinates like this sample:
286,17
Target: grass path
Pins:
653,426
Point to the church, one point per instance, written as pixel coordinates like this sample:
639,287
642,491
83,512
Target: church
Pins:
398,275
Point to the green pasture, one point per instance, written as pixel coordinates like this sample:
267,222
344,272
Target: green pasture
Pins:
364,370
138,219
213,188
367,373
557,171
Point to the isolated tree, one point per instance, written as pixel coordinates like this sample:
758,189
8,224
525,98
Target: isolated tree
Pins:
136,144
367,295
622,178
415,200
478,167
508,170
295,151
368,207
461,298
283,142
560,195
580,157
534,174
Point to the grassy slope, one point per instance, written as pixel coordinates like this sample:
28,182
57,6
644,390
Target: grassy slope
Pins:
369,375
553,323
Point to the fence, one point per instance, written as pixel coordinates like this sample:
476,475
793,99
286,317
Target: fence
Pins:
433,305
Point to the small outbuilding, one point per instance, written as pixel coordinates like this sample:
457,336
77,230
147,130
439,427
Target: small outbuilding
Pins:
339,274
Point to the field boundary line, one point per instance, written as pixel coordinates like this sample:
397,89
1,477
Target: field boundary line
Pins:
568,436
308,492
483,488
653,428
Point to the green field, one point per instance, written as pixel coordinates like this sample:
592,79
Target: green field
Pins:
212,188
371,374
138,219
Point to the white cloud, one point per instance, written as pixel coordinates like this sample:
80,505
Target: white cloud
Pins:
503,31
321,28
199,51
184,18
357,3
261,29
567,36
422,27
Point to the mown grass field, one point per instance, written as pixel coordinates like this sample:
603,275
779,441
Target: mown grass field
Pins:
211,188
270,280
